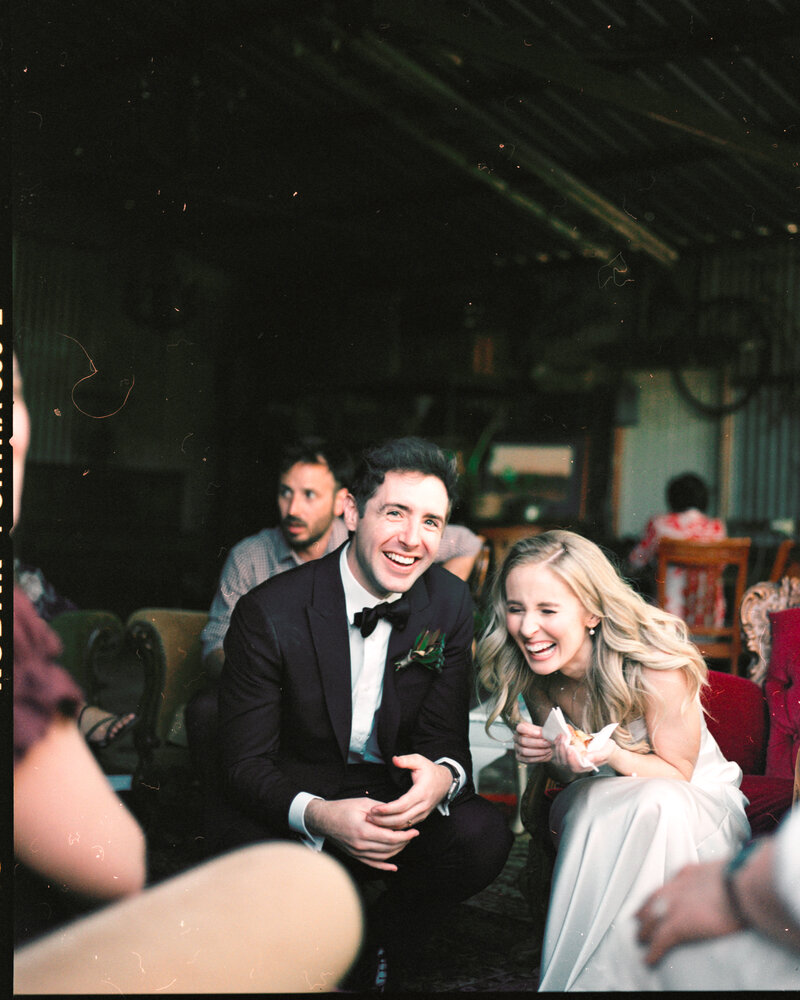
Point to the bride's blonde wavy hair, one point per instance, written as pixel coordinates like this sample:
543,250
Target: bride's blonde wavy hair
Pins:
630,635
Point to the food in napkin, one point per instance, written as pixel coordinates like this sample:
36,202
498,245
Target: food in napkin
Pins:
555,724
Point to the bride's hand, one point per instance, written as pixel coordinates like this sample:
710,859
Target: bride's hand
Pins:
603,756
530,747
568,756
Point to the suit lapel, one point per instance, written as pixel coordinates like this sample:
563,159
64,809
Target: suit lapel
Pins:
327,619
400,642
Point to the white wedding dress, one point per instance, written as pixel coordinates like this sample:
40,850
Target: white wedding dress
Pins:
620,838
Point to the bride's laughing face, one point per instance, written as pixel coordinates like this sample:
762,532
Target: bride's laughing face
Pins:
548,622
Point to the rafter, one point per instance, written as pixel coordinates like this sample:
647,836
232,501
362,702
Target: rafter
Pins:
542,167
569,234
519,50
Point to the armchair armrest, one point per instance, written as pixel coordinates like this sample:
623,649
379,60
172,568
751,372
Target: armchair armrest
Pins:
87,637
167,643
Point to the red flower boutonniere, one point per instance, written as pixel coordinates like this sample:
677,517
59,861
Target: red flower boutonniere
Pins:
428,651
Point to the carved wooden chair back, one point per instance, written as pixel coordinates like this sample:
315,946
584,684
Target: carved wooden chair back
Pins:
703,566
757,603
167,642
480,571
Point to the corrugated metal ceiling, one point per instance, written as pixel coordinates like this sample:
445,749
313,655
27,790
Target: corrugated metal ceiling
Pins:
435,135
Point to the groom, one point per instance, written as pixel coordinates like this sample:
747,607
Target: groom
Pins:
344,703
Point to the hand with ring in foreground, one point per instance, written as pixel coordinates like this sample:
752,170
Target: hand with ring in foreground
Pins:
690,907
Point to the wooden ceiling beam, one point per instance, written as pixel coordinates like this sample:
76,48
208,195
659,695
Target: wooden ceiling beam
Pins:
639,237
570,235
524,50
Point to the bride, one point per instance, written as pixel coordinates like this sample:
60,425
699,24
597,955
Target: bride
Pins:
566,631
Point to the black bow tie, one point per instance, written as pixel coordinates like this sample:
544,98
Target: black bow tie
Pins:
396,612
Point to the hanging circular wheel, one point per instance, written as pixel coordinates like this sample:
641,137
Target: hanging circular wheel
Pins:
730,338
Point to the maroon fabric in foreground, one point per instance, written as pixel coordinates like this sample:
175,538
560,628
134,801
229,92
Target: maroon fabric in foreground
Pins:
42,689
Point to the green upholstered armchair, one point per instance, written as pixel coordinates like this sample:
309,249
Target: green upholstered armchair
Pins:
167,642
87,637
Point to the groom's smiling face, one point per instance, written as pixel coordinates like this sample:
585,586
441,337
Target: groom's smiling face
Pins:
397,537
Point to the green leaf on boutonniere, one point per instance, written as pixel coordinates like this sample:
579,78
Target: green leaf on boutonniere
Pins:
428,651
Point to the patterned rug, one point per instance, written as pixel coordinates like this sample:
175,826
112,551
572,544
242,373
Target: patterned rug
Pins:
487,945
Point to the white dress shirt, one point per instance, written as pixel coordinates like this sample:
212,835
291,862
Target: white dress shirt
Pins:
367,668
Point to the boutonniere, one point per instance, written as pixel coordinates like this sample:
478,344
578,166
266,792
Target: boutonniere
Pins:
428,650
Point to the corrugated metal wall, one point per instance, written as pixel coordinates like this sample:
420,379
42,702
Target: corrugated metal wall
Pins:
50,299
765,474
669,438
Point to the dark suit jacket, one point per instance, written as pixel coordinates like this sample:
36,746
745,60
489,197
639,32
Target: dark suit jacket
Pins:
285,694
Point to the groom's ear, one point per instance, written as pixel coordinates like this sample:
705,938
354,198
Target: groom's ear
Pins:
350,512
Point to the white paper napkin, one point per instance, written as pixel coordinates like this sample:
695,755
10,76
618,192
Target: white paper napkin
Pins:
555,724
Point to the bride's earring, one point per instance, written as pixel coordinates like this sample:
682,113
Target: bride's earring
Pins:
591,630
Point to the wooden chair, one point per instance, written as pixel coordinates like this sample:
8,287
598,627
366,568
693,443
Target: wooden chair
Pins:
703,566
502,537
480,571
787,560
167,642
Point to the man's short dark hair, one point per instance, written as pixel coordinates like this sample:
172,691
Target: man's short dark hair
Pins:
408,454
312,450
686,491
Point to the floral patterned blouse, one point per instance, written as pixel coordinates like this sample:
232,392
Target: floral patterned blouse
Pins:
690,525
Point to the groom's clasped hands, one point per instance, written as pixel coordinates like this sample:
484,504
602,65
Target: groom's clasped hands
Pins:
374,832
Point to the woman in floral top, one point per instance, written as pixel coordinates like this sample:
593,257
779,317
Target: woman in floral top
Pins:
687,497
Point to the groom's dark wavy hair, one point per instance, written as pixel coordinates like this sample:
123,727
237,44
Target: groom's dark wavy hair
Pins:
408,454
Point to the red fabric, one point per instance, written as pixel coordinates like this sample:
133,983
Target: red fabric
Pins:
506,803
737,718
782,688
739,722
770,799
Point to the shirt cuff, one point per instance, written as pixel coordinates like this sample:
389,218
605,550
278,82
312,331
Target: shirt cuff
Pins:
444,807
297,813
